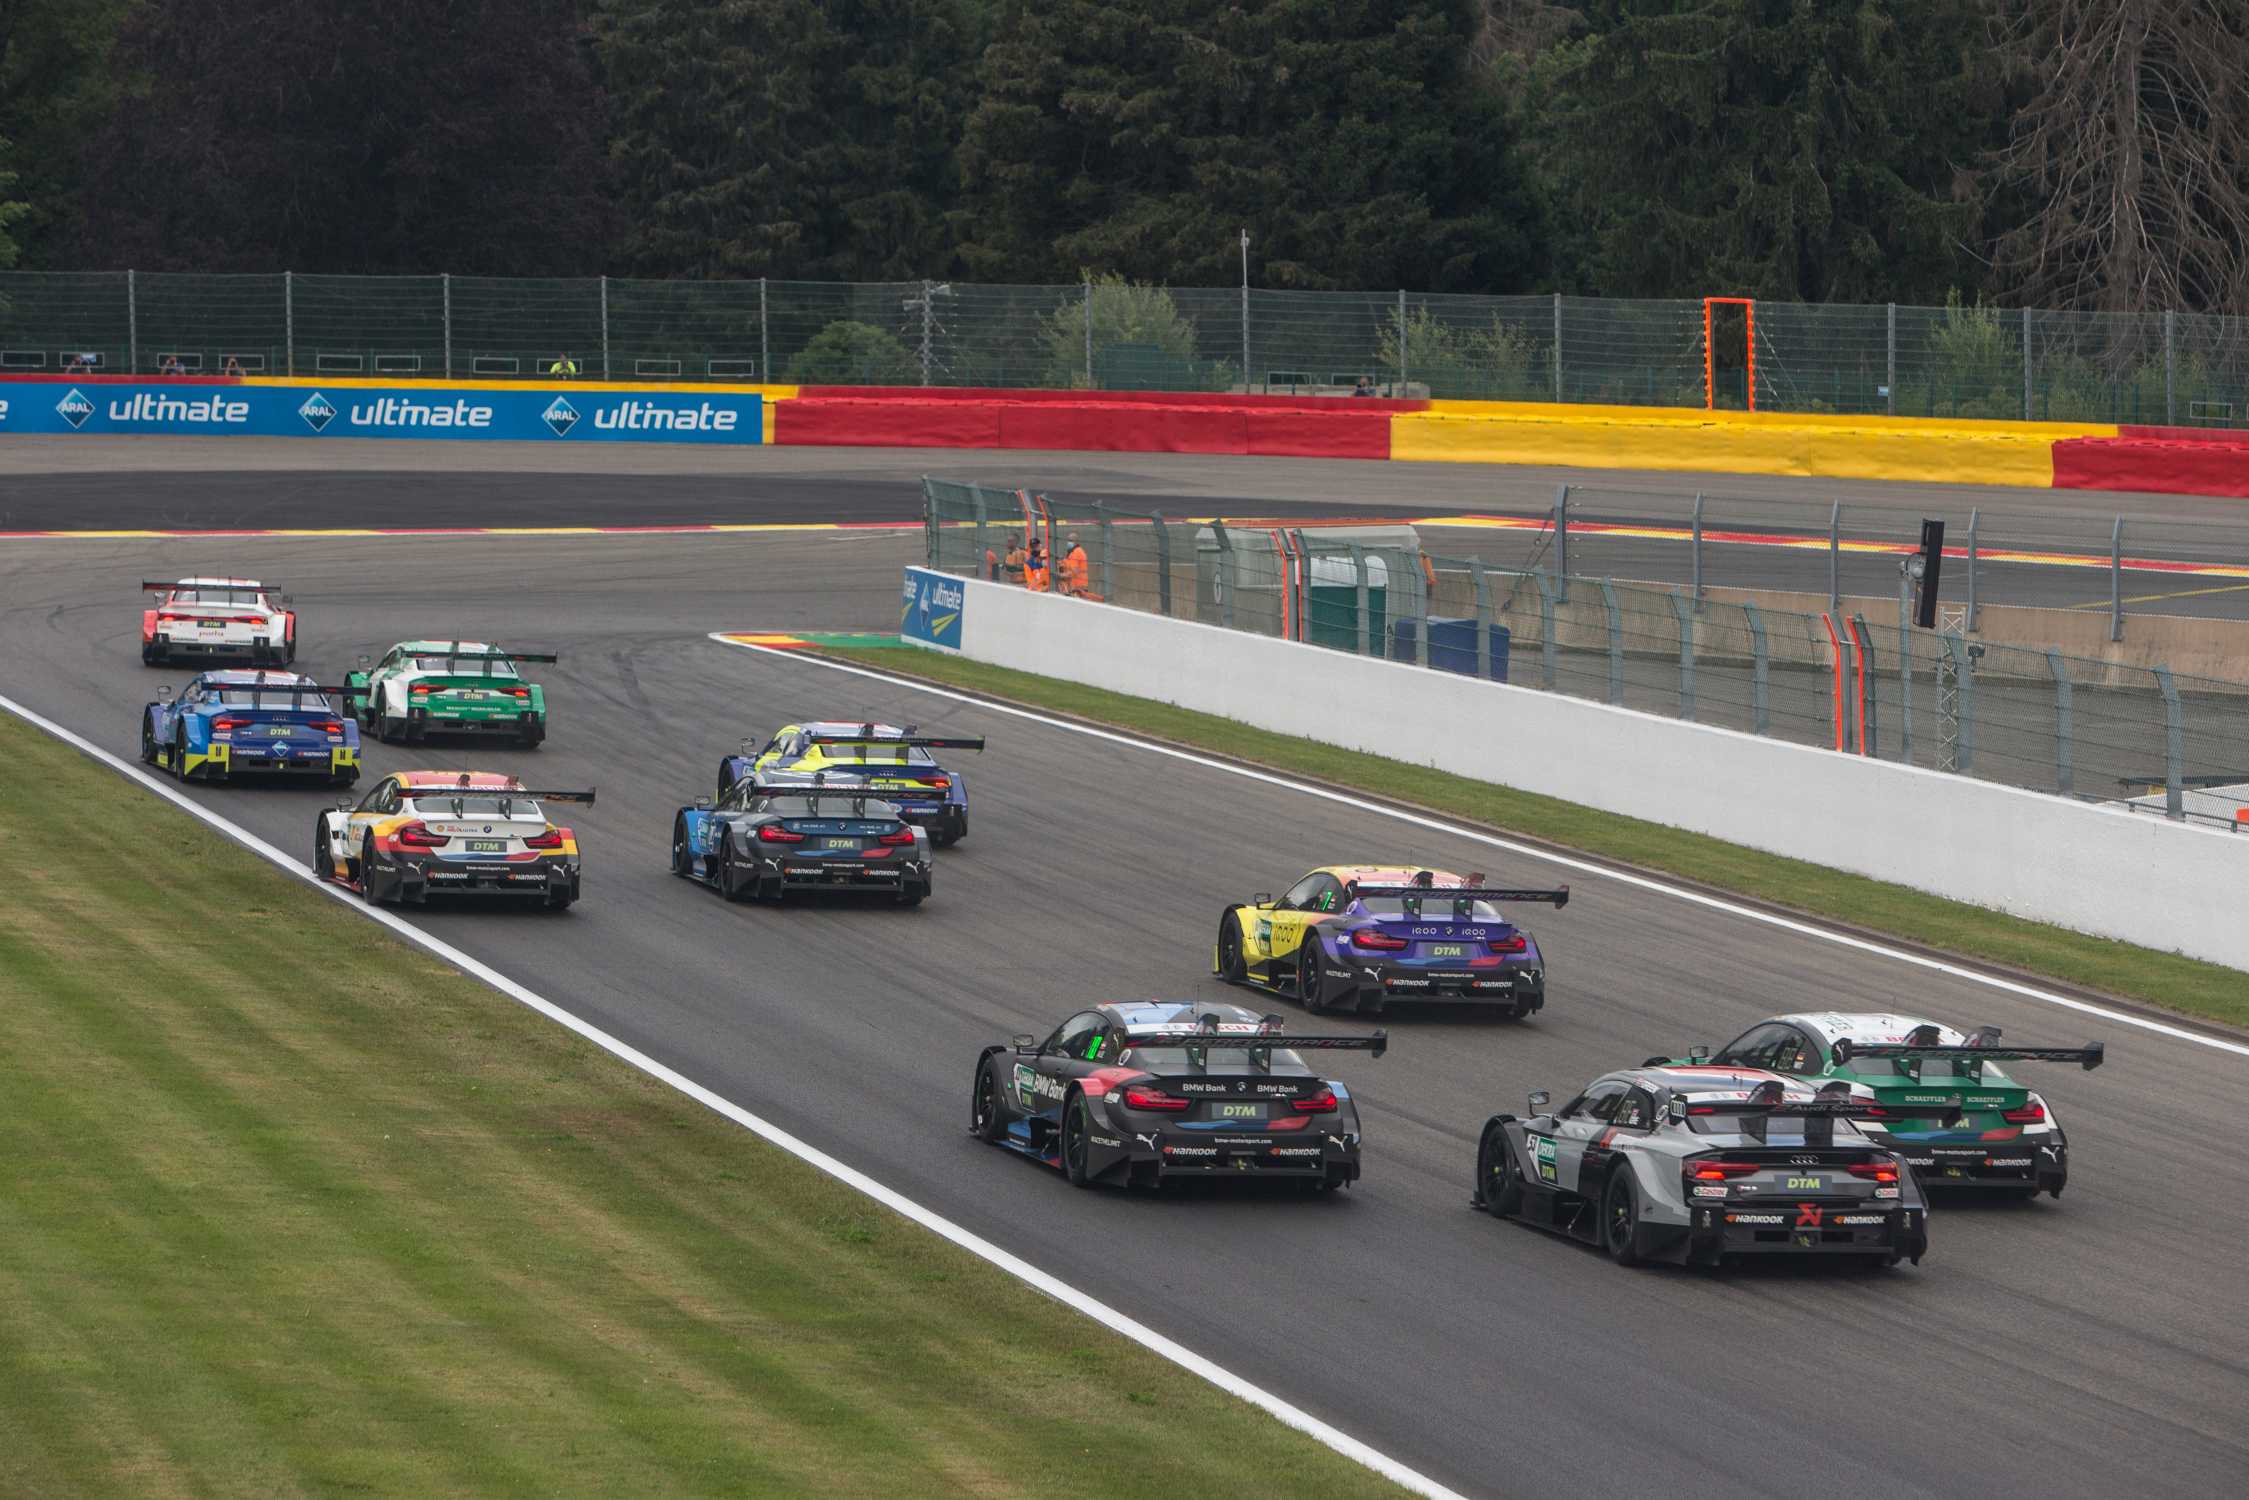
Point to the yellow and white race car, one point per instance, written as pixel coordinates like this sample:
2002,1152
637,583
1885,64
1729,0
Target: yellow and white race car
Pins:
420,834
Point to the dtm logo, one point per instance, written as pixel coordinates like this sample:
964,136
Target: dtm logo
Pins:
317,412
561,416
75,408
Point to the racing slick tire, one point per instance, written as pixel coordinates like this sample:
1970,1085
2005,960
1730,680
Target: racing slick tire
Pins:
913,895
1620,1218
1309,989
389,730
323,868
152,655
530,739
148,744
984,1103
560,901
1499,1191
1077,1126
729,883
367,890
179,755
1231,968
683,863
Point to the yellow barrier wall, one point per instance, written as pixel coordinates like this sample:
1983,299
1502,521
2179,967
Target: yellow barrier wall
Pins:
1804,445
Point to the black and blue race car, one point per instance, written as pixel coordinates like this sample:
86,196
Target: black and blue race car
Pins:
892,762
761,842
232,723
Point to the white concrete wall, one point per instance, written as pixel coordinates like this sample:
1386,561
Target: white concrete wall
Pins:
2130,876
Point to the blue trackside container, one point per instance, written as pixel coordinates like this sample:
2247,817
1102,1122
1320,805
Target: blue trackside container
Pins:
1452,644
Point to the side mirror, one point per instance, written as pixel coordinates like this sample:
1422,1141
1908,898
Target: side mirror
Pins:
164,694
1538,1100
1024,1041
366,661
702,803
1699,1052
1262,898
288,599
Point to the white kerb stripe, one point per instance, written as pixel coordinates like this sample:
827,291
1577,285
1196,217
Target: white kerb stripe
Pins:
975,1244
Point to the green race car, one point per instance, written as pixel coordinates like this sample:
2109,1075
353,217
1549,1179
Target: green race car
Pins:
2007,1139
421,688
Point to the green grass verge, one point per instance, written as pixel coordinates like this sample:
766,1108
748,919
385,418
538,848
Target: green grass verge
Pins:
2185,985
288,1207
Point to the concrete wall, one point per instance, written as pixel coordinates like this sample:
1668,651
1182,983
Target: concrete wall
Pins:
2129,876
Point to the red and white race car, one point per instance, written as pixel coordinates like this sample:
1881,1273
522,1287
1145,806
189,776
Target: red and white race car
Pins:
217,617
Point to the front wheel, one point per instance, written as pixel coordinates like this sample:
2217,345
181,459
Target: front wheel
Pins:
148,744
1077,1147
323,864
1231,966
683,858
984,1120
1496,1181
1620,1218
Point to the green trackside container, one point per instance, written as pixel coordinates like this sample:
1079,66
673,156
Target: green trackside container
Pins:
1332,617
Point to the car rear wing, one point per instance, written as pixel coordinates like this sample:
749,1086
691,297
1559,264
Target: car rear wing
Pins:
2088,1057
226,591
1260,1041
297,691
454,655
500,794
903,742
1558,897
1767,1100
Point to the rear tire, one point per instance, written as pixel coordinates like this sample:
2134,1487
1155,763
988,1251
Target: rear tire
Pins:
179,755
1077,1126
1309,989
367,872
984,1104
729,883
1620,1218
912,895
1496,1179
1231,967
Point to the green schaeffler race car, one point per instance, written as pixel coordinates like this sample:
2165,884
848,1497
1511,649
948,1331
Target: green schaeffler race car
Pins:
421,688
2006,1138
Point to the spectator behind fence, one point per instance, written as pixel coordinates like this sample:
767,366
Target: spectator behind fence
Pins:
1365,387
171,366
1076,575
563,368
232,368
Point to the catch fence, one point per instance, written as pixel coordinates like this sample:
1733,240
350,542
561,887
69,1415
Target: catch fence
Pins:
1960,362
1942,699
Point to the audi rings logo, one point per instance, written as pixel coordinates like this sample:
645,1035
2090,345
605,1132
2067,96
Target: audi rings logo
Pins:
1803,1161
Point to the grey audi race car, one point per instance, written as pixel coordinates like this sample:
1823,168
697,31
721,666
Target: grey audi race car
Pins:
1140,1092
1701,1164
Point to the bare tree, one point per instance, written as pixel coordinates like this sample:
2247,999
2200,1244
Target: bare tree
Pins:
1523,28
2128,160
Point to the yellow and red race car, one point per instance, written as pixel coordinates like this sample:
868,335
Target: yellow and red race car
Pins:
1355,937
420,834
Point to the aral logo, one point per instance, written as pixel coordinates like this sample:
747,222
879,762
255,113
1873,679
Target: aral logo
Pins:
75,408
561,416
317,412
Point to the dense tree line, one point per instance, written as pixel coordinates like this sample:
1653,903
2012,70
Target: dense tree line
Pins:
2086,153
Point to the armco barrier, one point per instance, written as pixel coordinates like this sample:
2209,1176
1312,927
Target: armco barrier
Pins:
1093,421
2116,874
305,409
2158,460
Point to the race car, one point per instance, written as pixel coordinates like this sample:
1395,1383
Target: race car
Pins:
1140,1092
239,618
1699,1165
235,722
760,843
421,688
2008,1139
881,757
420,834
1354,937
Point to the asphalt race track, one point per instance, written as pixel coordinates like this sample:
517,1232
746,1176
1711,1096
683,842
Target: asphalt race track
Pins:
2090,1347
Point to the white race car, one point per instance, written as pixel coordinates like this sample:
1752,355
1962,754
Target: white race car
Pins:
217,617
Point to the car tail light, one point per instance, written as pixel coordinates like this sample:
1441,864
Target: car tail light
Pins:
521,692
1708,1170
223,725
420,687
938,783
551,839
242,619
1377,939
418,836
1322,1103
774,833
1515,943
897,836
1879,1171
1148,1098
329,726
2033,1113
173,614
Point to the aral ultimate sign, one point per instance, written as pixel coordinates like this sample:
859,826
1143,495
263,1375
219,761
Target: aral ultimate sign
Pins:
931,609
458,412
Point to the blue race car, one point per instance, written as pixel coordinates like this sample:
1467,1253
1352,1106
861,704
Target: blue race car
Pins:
1353,937
231,723
893,763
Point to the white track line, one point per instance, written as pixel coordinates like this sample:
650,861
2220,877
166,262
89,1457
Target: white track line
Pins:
1601,872
975,1244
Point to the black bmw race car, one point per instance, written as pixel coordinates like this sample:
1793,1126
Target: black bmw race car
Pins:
1143,1091
761,842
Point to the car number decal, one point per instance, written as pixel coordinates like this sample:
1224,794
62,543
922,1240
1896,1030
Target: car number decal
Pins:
1542,1148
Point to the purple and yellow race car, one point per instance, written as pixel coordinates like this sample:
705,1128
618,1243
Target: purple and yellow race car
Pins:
1355,937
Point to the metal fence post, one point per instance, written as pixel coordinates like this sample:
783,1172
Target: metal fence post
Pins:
2174,746
289,318
1890,365
1870,729
983,519
1905,662
1163,562
1423,656
1975,515
1684,609
2064,767
1228,577
764,347
1549,652
1483,617
1760,666
928,320
604,328
1835,559
1108,552
2028,365
1562,540
132,323
2170,367
1964,688
445,287
1245,312
1359,572
1401,390
1558,349
1697,549
1616,641
2116,581
1089,333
